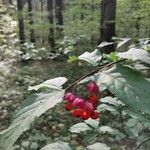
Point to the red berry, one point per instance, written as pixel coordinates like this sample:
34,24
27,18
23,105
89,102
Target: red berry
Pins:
93,98
85,115
77,112
69,97
68,107
89,107
79,102
95,115
92,87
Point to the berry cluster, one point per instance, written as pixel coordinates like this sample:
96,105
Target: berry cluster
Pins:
82,108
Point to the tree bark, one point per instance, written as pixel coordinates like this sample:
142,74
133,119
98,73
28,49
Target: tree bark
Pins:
10,2
41,5
42,9
51,36
135,7
21,21
108,16
59,17
31,22
92,13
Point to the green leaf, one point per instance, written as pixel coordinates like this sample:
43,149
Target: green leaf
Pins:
98,146
134,132
103,107
103,44
60,145
136,54
140,67
110,100
92,58
113,56
92,122
129,86
123,42
55,83
131,122
79,127
87,79
106,129
32,107
72,59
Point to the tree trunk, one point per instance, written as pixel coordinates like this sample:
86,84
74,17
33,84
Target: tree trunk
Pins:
92,13
42,9
59,17
136,19
108,15
51,36
41,5
24,2
31,22
10,2
21,21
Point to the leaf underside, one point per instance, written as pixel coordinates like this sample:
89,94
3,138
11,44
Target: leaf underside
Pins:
98,146
79,127
34,106
129,86
136,54
92,58
60,145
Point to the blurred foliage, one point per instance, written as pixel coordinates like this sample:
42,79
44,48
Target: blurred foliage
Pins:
80,17
81,30
133,18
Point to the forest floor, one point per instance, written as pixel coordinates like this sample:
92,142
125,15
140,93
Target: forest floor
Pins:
16,76
8,92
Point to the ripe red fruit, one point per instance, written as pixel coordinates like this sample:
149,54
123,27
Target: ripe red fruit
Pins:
89,107
69,97
85,115
93,99
79,102
68,107
77,112
82,108
92,87
95,115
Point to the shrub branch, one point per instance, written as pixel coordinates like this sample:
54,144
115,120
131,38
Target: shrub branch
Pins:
99,69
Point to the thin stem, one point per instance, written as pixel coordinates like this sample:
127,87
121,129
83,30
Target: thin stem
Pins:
144,141
100,68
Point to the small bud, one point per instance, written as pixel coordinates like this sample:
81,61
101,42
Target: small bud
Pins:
69,97
92,87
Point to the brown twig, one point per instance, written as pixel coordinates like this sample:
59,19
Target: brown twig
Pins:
100,68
